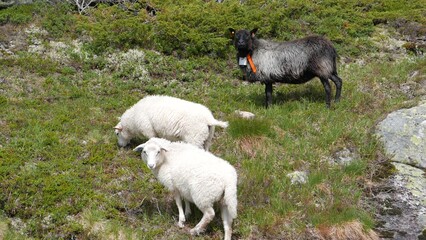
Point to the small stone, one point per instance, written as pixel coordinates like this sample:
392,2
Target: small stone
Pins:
345,156
244,114
413,74
298,177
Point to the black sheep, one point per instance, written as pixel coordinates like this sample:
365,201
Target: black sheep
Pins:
292,62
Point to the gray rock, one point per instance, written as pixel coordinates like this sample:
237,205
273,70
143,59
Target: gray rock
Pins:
400,204
401,199
409,89
298,177
9,3
403,134
345,156
244,114
413,179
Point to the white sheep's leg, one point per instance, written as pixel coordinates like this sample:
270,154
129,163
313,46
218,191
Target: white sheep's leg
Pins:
209,139
180,209
187,209
208,215
227,222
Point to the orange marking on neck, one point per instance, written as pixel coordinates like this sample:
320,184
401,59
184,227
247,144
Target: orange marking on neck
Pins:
253,68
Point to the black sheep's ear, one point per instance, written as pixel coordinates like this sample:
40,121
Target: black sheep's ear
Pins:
253,32
232,32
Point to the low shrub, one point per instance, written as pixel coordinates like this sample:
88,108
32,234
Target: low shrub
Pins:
59,20
110,27
18,14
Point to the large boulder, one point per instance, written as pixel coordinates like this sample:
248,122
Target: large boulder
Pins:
401,200
403,134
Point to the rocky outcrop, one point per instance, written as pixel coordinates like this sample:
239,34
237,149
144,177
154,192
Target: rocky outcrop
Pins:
9,3
401,199
403,134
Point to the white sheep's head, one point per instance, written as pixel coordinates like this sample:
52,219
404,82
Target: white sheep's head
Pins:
152,152
122,135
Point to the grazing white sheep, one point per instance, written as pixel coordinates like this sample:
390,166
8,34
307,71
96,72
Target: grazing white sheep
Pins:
196,176
170,118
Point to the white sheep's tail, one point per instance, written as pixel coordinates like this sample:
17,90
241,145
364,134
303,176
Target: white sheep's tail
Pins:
230,199
221,124
211,126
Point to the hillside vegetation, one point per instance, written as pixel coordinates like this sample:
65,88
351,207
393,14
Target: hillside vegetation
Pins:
65,77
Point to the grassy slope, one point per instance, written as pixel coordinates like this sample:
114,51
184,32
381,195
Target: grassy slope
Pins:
62,175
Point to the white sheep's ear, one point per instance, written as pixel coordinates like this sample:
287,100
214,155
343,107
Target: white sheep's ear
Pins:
139,148
119,127
164,149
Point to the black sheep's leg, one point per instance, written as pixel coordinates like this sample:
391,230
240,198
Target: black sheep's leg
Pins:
338,82
268,93
327,89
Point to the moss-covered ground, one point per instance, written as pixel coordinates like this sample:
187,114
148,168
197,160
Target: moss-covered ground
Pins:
66,77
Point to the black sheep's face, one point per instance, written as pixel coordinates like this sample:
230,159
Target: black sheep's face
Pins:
243,40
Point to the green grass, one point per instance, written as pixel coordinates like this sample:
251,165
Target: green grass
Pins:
60,159
253,127
62,175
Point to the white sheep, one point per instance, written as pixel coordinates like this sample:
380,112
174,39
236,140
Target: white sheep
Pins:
196,176
170,118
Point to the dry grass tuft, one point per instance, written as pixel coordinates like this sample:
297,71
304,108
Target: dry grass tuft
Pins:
252,146
348,231
3,229
105,230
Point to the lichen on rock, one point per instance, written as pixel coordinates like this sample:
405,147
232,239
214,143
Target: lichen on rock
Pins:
403,135
402,202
